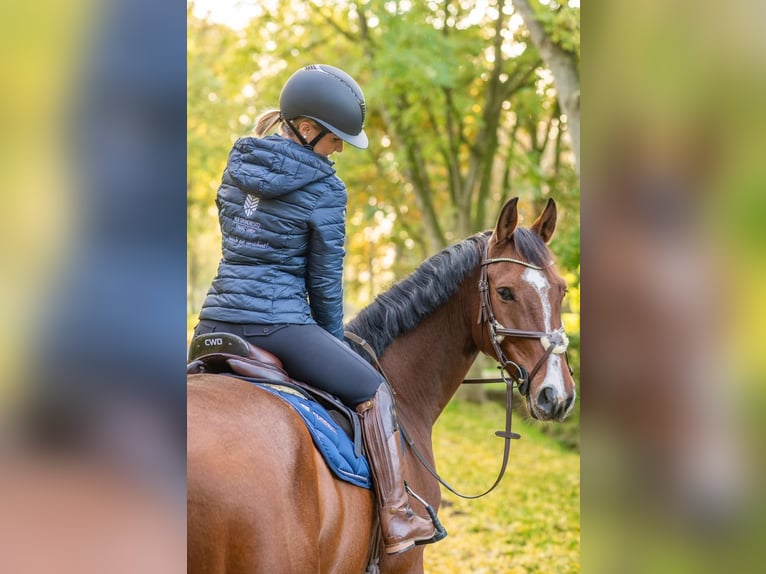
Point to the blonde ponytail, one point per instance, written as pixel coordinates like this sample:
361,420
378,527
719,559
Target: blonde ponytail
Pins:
265,123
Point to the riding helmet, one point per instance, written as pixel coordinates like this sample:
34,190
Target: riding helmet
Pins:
329,96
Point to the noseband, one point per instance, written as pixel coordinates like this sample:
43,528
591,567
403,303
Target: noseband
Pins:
555,342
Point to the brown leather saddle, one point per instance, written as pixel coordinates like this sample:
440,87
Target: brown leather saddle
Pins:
229,353
226,353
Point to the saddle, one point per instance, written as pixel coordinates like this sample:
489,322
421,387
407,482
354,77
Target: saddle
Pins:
229,353
226,353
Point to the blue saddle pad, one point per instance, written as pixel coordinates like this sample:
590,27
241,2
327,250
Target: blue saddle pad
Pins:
334,444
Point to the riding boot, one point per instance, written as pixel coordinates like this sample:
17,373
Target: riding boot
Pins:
402,528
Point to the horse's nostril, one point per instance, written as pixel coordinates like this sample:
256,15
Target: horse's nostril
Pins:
546,399
552,404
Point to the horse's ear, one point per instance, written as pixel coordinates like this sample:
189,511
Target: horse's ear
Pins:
545,225
506,223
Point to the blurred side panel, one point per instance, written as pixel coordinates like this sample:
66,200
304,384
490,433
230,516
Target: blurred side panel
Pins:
673,274
92,385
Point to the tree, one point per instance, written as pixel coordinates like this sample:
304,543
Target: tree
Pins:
463,112
557,37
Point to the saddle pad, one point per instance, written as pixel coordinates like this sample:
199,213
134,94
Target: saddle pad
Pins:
335,446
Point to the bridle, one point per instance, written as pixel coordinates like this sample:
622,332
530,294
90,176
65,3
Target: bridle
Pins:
555,342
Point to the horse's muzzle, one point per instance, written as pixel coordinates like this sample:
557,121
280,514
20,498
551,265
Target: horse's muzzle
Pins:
551,404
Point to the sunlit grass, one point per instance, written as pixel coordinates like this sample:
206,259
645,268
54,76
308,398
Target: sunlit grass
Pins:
530,523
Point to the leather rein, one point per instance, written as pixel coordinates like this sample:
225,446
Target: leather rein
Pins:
555,342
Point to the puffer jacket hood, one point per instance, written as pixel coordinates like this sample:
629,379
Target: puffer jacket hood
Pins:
268,168
281,209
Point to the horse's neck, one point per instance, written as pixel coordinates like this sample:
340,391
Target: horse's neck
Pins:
427,365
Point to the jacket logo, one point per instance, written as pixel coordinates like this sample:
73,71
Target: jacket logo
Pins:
251,204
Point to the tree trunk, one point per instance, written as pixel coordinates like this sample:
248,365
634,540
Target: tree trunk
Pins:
563,66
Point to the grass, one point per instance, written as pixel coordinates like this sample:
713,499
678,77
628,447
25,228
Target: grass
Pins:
530,524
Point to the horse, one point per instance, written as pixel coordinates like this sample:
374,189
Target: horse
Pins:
260,497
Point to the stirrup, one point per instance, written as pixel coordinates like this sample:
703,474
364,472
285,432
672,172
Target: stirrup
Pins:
441,532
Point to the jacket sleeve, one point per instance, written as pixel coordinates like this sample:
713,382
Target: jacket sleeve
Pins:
324,271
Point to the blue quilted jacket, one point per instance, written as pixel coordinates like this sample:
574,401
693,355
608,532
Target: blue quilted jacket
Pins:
282,214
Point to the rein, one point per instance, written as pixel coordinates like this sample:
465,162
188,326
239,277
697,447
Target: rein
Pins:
506,434
555,342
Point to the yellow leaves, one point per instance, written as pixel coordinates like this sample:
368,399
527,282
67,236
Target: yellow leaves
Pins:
571,315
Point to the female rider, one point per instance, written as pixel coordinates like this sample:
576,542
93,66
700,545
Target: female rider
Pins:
279,284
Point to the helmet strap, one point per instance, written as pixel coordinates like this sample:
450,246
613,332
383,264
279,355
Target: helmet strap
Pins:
315,141
308,145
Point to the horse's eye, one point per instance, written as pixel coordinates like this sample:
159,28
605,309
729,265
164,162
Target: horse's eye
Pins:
506,294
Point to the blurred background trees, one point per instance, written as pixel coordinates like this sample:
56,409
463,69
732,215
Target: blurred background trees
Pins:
464,111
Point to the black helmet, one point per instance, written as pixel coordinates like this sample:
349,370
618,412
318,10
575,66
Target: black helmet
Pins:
329,96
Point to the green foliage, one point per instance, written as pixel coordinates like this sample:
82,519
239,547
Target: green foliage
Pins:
530,523
562,24
461,116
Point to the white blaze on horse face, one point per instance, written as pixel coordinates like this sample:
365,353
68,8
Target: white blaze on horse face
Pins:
554,372
538,281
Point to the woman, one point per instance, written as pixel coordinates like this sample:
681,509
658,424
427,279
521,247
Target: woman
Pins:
279,284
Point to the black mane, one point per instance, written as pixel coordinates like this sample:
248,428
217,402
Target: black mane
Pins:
405,304
400,308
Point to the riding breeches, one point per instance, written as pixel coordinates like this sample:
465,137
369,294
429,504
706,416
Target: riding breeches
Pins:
310,355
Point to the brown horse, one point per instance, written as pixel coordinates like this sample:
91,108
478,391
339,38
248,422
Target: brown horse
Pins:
260,497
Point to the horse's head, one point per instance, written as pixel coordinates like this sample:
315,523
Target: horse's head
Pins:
520,316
